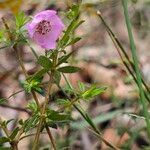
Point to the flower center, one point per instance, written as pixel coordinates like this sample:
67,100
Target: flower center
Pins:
43,27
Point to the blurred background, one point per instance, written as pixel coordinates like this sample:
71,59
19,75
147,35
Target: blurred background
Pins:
113,112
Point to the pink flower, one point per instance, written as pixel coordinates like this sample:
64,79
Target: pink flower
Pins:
45,29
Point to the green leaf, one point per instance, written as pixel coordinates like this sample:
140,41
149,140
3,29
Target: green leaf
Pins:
73,25
38,75
65,40
57,77
92,92
63,102
32,106
21,19
31,122
14,133
3,140
97,120
81,86
77,24
64,58
68,69
45,62
73,12
32,85
69,90
51,124
58,117
73,41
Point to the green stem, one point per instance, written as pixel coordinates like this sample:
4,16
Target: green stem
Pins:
135,60
20,60
42,110
29,135
40,125
37,136
43,117
87,117
68,83
33,51
125,63
117,42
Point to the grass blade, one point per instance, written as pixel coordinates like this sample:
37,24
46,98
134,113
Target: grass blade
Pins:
135,60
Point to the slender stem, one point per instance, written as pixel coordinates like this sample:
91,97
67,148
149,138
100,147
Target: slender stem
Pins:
33,51
104,140
7,98
32,134
125,63
36,99
51,137
7,29
37,136
42,110
68,83
69,105
20,60
117,42
47,129
135,60
43,116
15,108
87,118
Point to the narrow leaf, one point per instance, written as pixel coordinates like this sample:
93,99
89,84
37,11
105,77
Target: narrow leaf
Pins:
69,69
39,74
14,133
59,117
3,140
57,77
64,58
45,62
75,40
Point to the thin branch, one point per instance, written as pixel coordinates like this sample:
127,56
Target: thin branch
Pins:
117,42
7,98
88,119
33,134
15,108
104,140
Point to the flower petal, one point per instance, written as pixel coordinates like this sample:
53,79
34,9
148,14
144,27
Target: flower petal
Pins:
57,27
45,41
44,15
